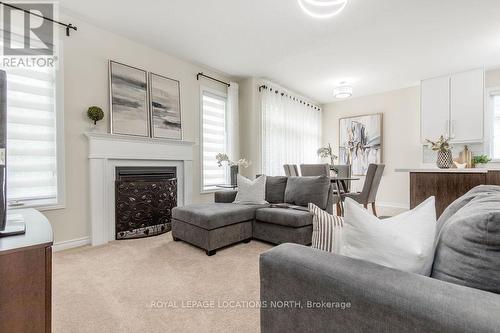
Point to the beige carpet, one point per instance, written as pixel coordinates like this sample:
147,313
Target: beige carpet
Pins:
112,288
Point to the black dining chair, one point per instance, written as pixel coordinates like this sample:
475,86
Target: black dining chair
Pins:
370,188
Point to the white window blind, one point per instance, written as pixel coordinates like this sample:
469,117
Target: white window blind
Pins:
213,139
31,135
496,127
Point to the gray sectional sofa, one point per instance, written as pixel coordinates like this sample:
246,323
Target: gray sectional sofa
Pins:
284,220
331,293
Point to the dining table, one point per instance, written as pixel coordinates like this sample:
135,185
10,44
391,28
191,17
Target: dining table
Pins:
342,187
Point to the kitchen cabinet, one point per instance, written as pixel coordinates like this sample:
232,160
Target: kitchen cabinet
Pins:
453,106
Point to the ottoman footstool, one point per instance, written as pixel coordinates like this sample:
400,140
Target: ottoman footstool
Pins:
213,226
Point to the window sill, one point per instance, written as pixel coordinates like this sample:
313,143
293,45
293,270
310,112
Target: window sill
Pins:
41,205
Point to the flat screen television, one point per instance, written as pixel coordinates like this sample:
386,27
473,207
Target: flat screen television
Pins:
13,226
3,147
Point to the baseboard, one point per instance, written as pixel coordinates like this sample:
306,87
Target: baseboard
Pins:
393,205
69,244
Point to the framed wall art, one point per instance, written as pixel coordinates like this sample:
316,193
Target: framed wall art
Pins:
360,142
129,100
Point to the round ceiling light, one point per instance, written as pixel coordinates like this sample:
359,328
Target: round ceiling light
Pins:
342,91
322,9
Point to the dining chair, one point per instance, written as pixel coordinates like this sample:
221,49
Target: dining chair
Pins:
291,170
370,188
315,170
344,171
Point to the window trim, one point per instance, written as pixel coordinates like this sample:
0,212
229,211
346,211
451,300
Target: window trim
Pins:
220,94
489,147
60,202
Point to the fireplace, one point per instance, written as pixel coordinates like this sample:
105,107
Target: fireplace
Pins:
144,199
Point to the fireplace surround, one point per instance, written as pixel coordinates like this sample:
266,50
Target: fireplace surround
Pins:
109,151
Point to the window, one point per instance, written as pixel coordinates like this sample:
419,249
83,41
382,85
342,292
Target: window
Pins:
214,106
291,131
496,128
34,171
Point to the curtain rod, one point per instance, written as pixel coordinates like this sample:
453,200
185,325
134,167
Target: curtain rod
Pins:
211,78
67,26
309,104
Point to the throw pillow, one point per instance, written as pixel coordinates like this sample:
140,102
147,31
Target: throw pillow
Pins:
404,242
275,189
327,230
468,250
251,192
301,191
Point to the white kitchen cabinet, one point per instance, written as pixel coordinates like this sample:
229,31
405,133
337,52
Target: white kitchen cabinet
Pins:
435,108
453,106
467,106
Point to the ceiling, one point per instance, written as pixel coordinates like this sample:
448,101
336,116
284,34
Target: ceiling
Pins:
376,45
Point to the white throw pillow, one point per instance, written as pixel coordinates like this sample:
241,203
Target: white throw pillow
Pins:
327,230
251,192
404,242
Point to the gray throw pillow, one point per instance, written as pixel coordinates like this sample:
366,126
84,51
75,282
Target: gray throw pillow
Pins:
275,189
468,248
302,191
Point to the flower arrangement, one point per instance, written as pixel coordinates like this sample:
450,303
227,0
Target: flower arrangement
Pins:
441,145
223,158
327,152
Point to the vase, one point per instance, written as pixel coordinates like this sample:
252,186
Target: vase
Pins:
234,174
444,159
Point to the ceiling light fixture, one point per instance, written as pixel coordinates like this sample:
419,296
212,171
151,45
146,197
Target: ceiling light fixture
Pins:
322,9
343,91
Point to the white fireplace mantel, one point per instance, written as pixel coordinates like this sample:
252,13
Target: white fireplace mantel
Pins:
107,151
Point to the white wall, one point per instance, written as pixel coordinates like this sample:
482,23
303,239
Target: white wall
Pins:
250,126
86,54
401,134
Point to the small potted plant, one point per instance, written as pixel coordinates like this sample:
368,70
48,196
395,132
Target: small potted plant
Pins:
480,160
95,114
327,152
222,158
443,148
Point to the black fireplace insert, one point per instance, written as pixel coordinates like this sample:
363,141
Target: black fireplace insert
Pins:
144,199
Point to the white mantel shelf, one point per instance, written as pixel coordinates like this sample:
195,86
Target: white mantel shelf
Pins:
436,170
109,151
105,145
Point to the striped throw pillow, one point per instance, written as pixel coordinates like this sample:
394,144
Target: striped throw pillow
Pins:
327,230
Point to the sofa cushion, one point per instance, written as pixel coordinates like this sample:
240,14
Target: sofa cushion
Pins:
284,216
304,190
215,215
275,189
464,200
251,192
468,248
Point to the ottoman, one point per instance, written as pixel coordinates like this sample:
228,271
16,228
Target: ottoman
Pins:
214,225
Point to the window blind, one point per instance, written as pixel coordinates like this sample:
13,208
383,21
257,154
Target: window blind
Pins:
31,134
214,139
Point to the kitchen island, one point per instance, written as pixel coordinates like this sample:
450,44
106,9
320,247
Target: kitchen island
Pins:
446,184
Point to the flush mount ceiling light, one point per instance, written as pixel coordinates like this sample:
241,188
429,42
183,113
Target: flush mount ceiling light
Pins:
342,91
322,9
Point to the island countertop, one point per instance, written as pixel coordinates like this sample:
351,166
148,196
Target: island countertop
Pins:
436,170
